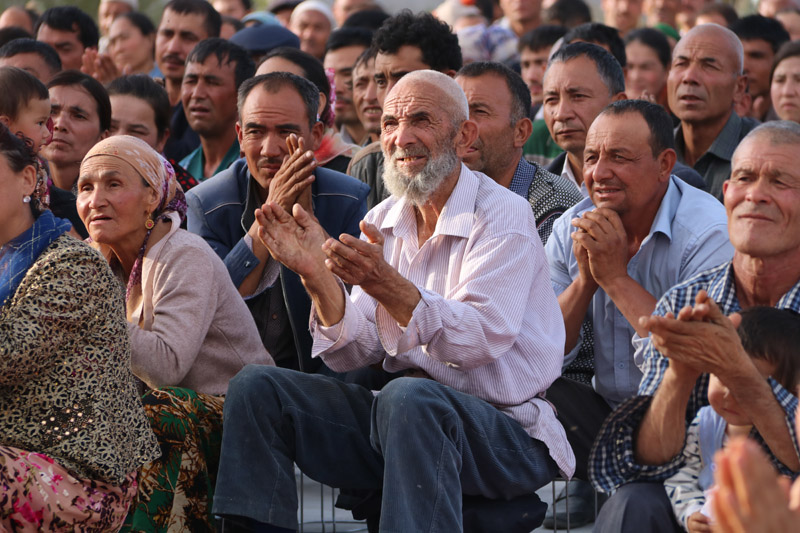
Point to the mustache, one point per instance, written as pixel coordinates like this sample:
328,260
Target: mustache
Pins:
173,57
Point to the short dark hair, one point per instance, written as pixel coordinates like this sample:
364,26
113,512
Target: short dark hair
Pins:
213,20
145,88
773,335
274,82
790,49
755,27
569,13
596,33
19,87
343,37
226,52
366,56
724,10
435,39
13,32
313,72
72,19
30,46
520,94
545,36
658,121
140,20
233,21
371,19
608,67
655,40
90,85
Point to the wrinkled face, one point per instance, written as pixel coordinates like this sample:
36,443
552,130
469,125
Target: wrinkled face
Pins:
32,63
341,62
574,94
645,72
313,28
267,120
133,116
66,43
365,96
76,125
389,68
785,89
31,121
791,22
521,11
490,104
619,169
128,47
723,402
622,14
533,63
762,198
114,202
107,12
208,93
758,56
177,34
417,139
703,79
231,8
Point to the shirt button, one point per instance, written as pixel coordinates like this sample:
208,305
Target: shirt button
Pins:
274,317
247,264
621,365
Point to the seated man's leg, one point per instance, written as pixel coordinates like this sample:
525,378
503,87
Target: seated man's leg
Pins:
637,507
438,443
275,417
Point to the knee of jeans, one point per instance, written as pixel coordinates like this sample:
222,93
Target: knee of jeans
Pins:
251,381
405,396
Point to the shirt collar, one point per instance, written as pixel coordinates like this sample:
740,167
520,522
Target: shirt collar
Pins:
723,146
457,216
662,223
567,174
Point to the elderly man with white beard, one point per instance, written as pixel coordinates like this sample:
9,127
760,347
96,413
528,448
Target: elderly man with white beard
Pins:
450,286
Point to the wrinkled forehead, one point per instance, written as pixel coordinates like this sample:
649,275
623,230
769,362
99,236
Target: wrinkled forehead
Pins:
712,40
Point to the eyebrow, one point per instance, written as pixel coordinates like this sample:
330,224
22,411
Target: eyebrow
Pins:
206,77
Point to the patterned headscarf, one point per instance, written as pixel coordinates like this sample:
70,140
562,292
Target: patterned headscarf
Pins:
153,169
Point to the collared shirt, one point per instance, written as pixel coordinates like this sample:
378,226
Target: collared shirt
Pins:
689,234
194,163
612,462
715,164
472,329
567,174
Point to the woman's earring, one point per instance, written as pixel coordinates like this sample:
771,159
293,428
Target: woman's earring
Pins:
26,199
149,223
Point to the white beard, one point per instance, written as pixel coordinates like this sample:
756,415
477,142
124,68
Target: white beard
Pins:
418,188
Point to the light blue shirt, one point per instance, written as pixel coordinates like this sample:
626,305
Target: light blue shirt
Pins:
689,235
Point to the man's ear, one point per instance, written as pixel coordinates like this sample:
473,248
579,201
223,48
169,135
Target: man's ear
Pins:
666,162
619,96
522,130
5,121
466,136
317,132
238,126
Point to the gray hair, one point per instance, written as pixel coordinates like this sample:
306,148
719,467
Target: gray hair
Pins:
776,132
455,101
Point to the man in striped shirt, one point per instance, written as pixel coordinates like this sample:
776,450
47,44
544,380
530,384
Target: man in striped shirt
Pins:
450,286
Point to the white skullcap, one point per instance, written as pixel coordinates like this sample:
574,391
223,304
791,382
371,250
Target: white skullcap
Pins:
134,4
314,5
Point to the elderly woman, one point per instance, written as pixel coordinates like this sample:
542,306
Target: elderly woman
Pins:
72,430
190,330
785,82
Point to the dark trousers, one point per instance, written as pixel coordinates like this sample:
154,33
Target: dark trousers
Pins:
581,411
638,507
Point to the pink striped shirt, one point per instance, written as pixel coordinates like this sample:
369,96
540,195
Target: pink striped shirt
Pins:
488,323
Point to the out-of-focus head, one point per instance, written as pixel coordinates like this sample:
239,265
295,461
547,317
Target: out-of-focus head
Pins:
344,47
567,13
534,53
785,82
371,19
623,15
140,108
790,18
237,9
425,131
770,8
184,23
18,179
111,9
312,21
521,12
706,75
69,31
36,57
282,10
603,36
131,42
717,13
662,11
580,81
344,8
649,55
272,107
25,108
770,335
761,37
15,16
365,92
499,103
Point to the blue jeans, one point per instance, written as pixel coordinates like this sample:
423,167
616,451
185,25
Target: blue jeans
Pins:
422,443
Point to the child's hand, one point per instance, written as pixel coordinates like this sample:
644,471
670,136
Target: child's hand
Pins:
698,523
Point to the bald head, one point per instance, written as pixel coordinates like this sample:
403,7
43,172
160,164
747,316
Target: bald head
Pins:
16,16
439,86
728,41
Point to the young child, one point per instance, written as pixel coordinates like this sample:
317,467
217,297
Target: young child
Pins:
770,337
25,110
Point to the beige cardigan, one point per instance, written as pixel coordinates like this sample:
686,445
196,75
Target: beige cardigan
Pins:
196,331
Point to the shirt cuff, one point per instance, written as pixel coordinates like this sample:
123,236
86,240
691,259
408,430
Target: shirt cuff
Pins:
270,274
395,338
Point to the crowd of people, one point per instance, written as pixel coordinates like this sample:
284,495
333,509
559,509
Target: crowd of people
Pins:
434,260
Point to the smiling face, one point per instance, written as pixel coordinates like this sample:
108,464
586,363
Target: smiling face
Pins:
208,93
365,96
762,199
785,89
619,169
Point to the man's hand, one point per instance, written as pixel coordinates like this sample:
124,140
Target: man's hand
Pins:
698,523
100,66
601,234
582,257
359,262
295,241
292,183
